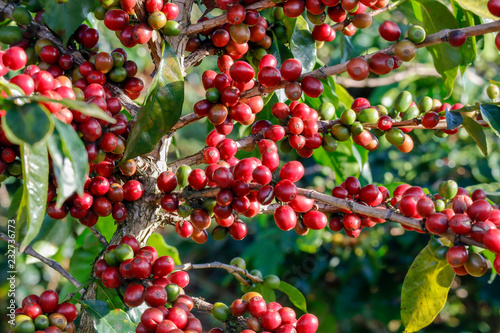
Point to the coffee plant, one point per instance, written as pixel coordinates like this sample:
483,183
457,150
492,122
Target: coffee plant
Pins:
95,153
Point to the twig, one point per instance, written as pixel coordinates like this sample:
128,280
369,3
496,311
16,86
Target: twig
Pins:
385,214
324,72
235,270
99,236
51,263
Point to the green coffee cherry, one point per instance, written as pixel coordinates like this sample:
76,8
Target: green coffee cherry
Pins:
256,272
173,292
220,311
110,258
212,95
10,34
368,115
219,233
411,113
493,91
272,282
285,146
22,16
382,109
439,205
356,128
340,132
182,175
348,117
448,189
123,252
440,133
238,262
395,136
329,144
434,244
171,28
326,111
184,210
403,101
425,104
440,253
209,205
416,34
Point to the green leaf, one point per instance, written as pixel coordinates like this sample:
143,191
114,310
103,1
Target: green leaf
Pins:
110,296
86,250
301,43
478,7
344,96
425,290
27,123
476,132
107,320
281,53
69,159
435,16
65,18
268,294
31,212
453,119
91,109
157,241
294,295
136,313
469,50
161,109
342,161
491,114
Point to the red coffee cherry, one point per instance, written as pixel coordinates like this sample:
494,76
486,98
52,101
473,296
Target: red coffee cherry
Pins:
270,320
358,69
111,278
291,70
480,210
381,63
308,323
132,242
180,278
236,14
285,190
408,205
134,295
351,221
166,182
116,19
285,218
494,7
457,38
150,318
68,310
163,266
292,171
460,224
430,119
311,86
184,228
436,223
492,240
315,220
457,255
389,31
155,296
425,207
14,58
269,77
294,8
242,72
133,190
141,267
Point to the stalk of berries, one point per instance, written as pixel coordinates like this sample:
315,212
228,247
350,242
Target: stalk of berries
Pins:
44,314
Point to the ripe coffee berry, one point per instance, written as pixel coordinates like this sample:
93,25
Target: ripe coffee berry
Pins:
389,31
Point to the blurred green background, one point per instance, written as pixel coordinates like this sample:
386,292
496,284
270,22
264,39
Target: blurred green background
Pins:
352,285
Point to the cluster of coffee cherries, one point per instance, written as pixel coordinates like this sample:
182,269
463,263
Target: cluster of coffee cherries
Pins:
102,197
223,105
160,16
455,209
260,316
467,215
44,314
337,11
147,278
104,142
176,319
